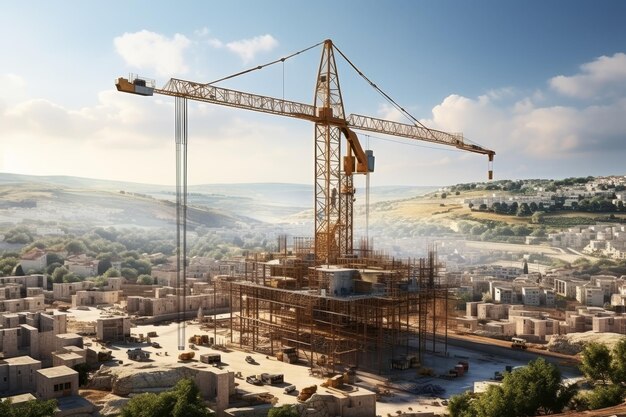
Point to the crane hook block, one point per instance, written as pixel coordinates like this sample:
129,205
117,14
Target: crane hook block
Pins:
370,160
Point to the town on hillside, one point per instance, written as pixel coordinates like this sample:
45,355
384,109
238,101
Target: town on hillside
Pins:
92,319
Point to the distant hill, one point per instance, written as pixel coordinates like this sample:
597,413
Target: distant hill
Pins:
225,204
43,202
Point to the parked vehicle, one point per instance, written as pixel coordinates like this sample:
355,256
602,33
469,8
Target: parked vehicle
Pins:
272,379
138,354
289,389
253,380
250,359
518,343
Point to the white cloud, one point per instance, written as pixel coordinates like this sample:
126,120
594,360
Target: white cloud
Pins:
12,87
247,49
389,112
604,76
215,43
527,130
147,50
203,32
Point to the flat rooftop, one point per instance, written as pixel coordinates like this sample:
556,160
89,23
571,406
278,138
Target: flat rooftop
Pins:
57,371
21,360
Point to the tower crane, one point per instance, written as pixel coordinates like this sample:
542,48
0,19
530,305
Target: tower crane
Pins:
334,189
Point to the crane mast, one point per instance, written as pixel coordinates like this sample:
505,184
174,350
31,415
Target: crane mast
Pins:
334,186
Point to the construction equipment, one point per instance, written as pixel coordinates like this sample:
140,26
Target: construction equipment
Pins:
201,340
138,354
211,358
306,392
334,190
186,356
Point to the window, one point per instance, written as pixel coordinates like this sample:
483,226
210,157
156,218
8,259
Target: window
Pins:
58,387
68,385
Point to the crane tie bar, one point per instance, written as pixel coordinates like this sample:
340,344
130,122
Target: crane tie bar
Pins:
265,65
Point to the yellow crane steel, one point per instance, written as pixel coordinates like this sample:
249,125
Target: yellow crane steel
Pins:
334,190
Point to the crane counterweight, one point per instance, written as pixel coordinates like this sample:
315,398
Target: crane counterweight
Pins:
135,84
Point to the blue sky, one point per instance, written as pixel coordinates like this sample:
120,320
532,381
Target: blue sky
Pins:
543,83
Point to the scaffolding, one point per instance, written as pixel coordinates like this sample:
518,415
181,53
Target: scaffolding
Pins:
388,310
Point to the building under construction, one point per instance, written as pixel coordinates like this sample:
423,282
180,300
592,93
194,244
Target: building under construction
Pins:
331,303
372,311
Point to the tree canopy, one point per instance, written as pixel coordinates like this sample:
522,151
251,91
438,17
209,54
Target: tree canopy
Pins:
534,389
33,408
287,410
595,362
181,401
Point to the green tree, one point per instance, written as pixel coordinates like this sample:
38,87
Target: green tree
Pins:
7,265
71,277
604,396
493,403
145,279
618,362
112,273
58,274
33,408
104,265
181,401
595,362
75,247
129,273
286,410
534,389
461,405
50,268
52,258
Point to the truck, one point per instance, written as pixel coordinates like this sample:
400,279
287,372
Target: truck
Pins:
272,379
518,343
211,358
138,354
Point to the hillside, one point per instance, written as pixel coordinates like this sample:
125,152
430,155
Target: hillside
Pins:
128,202
42,203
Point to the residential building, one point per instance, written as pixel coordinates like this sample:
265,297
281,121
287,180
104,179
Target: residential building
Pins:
17,375
113,328
489,311
531,296
64,291
612,324
82,265
590,295
35,260
56,382
26,281
95,297
504,295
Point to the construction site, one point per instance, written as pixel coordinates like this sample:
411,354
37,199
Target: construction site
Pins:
320,299
372,312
